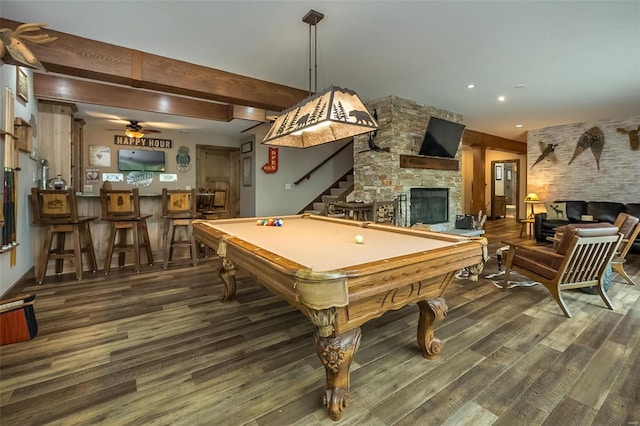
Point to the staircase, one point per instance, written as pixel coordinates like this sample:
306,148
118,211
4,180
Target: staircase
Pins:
339,191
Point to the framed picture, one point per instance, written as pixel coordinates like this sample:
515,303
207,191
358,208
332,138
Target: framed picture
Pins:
498,172
99,156
246,171
22,84
246,147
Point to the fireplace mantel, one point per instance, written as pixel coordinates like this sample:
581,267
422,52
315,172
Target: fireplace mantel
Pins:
436,163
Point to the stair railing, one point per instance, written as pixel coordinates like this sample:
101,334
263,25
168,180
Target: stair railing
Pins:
325,161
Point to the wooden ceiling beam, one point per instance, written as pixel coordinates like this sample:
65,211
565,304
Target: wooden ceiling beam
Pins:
47,86
473,138
82,57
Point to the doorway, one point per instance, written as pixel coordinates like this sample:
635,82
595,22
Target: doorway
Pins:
218,167
505,189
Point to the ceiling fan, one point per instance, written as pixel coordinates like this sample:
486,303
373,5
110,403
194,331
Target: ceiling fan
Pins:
135,130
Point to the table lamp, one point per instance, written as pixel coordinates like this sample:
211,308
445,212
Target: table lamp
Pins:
532,198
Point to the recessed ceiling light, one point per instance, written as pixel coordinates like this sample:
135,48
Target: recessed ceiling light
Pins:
518,86
501,98
470,86
519,125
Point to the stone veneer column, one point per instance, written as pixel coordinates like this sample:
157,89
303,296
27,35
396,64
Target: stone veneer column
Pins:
402,126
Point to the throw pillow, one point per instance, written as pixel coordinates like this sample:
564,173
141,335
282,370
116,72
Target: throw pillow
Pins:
556,211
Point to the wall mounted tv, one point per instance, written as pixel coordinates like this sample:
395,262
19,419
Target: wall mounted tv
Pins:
140,160
442,138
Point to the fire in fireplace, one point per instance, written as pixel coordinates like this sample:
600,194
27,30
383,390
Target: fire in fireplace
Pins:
429,205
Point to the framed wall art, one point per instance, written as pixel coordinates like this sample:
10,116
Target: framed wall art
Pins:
246,171
246,147
498,172
22,84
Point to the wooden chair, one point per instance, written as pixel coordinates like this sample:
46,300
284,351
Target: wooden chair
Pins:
216,204
330,208
220,199
385,211
57,209
579,260
179,208
629,227
204,200
122,209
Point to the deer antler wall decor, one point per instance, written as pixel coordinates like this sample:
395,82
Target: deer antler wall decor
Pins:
634,137
12,41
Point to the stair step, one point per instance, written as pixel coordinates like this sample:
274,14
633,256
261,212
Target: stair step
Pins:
337,191
344,184
329,198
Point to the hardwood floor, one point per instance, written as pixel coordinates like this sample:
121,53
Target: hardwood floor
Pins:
158,347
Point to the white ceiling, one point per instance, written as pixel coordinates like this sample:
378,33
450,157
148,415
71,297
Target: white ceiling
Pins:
579,61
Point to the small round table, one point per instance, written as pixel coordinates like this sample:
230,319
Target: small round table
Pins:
524,222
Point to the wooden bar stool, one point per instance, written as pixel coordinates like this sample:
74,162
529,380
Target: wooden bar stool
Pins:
216,204
57,209
179,208
122,209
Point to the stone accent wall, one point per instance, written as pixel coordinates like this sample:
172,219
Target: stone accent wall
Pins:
377,175
617,180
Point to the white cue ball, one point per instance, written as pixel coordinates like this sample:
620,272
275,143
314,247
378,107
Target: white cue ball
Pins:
359,239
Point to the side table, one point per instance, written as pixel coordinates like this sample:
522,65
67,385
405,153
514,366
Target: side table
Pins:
524,223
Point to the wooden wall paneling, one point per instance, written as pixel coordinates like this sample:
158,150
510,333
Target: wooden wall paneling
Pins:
55,128
77,167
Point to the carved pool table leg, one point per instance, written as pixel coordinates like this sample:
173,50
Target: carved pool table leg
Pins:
336,354
430,311
227,274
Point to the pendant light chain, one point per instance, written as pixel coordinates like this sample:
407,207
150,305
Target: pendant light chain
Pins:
315,59
313,45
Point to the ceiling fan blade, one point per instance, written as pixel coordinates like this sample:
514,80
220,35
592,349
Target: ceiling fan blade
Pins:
150,131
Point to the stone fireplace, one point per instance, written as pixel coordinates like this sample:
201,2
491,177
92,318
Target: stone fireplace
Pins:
383,176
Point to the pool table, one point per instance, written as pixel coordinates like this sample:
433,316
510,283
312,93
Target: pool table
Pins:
314,263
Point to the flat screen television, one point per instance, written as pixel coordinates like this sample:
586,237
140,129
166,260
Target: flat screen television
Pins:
130,160
442,138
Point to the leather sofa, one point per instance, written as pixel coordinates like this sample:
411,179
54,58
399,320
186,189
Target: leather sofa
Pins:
602,211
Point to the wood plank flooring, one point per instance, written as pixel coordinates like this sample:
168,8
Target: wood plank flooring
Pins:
159,348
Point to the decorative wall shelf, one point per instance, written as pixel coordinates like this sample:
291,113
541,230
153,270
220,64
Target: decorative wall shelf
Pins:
24,133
